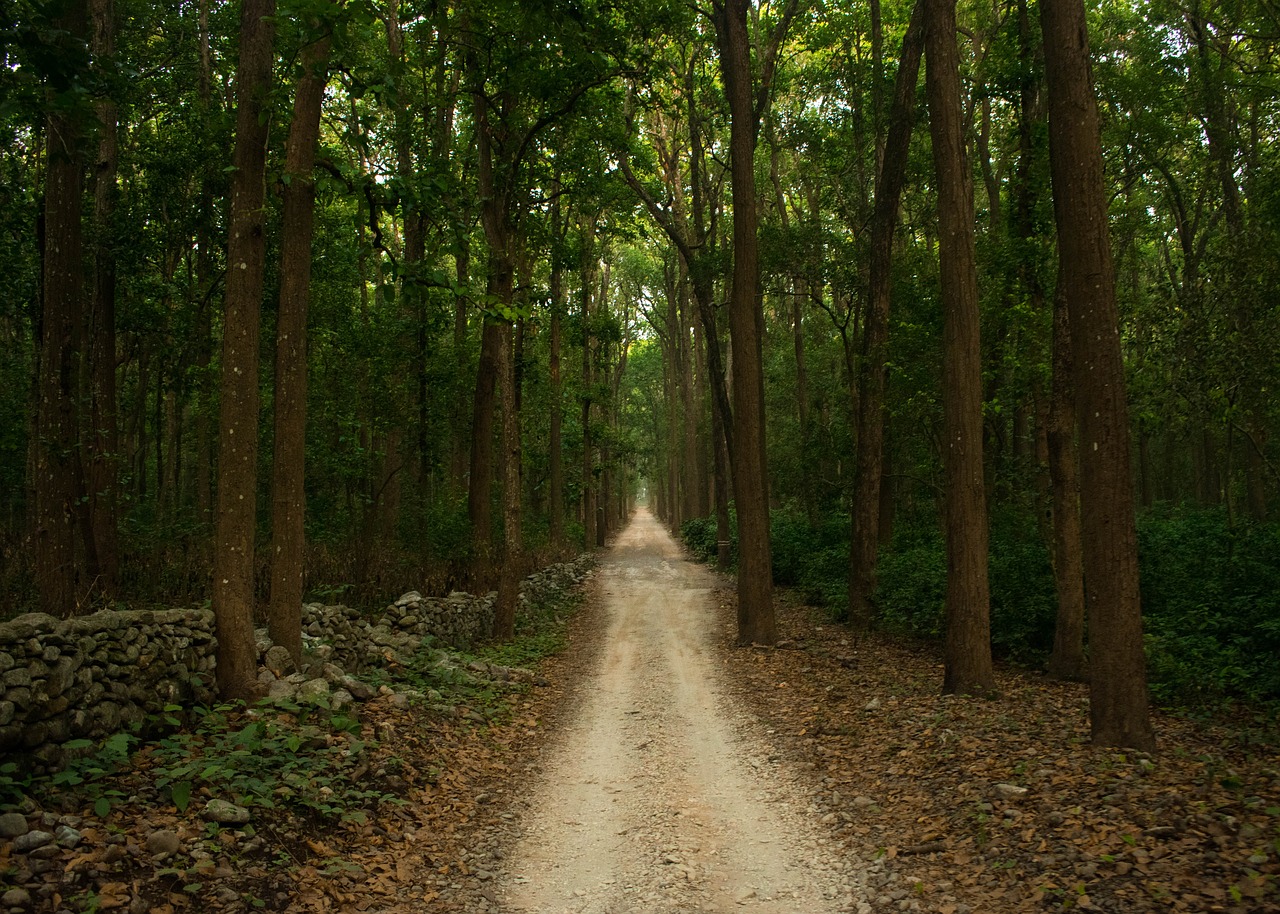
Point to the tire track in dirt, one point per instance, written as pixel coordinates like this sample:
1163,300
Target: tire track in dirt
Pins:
658,797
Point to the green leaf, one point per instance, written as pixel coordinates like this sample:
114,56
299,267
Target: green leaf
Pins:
102,807
181,794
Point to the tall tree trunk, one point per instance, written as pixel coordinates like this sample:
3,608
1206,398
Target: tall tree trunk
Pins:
968,650
871,414
480,493
555,456
509,584
103,444
204,287
688,410
458,453
233,578
1118,686
288,468
56,465
1067,659
720,475
700,399
746,325
588,458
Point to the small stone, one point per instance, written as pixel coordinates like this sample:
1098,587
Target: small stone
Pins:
225,813
279,661
1010,791
163,842
282,690
359,690
13,825
25,844
863,802
16,898
67,836
872,705
314,690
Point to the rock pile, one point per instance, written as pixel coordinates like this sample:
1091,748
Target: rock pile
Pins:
340,644
96,675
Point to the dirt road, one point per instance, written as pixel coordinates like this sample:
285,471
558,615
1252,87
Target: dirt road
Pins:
659,797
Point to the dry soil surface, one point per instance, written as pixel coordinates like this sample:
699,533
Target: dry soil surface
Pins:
658,796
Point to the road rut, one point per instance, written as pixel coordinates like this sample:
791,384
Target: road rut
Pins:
659,796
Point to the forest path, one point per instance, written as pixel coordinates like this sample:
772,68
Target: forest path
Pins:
659,796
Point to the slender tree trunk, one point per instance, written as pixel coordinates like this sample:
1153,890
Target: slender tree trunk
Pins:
509,582
103,439
56,465
555,455
204,288
746,323
720,479
233,578
458,454
1118,686
588,458
688,410
1067,659
288,468
871,414
700,399
480,494
968,651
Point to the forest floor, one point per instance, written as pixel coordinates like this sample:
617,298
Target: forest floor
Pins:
659,767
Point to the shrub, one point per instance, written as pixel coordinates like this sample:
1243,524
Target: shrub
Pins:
699,535
1211,605
911,584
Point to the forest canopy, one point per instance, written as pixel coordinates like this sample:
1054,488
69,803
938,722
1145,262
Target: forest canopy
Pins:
331,299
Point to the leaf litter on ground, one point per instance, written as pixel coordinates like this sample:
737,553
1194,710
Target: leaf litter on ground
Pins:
974,806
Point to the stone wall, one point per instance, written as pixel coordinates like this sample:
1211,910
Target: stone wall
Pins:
96,675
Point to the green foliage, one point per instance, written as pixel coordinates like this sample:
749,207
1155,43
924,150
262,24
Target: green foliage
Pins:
1024,602
699,535
911,587
1211,604
815,559
268,757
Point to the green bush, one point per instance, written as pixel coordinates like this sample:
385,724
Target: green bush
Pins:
911,583
1024,601
699,535
1211,606
912,587
814,559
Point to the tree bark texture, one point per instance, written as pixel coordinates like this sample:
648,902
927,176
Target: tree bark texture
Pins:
233,579
884,221
57,479
1118,705
968,647
746,329
504,615
480,490
288,468
555,454
1067,658
103,439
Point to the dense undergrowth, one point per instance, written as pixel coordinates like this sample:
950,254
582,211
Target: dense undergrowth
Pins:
1210,592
